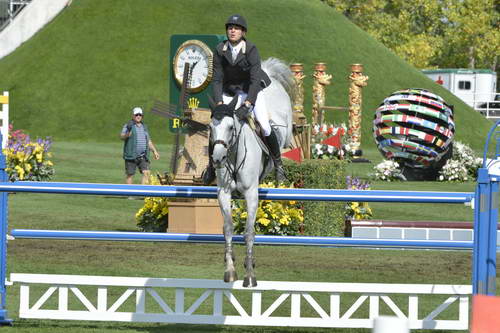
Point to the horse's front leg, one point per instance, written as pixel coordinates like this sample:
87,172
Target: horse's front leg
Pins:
252,200
225,206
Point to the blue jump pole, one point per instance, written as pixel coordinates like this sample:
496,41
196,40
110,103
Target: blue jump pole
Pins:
259,239
4,320
264,193
485,222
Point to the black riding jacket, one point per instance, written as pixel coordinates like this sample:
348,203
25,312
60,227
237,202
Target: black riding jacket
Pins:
244,74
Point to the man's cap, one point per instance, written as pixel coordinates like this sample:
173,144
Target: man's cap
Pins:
136,110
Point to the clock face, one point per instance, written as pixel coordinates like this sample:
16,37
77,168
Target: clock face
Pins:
200,57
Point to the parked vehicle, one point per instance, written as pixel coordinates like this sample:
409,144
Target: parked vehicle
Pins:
476,87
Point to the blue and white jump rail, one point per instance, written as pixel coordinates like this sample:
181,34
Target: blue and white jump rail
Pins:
227,308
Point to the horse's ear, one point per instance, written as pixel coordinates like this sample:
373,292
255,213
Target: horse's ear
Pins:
232,105
211,102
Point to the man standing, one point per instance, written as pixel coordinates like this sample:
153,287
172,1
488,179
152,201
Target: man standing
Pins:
137,144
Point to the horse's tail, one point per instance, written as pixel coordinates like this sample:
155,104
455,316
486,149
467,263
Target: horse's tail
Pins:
278,70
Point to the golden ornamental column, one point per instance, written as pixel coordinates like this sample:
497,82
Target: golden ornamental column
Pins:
358,81
321,80
298,97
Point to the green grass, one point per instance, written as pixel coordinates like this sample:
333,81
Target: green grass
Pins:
79,77
77,80
84,162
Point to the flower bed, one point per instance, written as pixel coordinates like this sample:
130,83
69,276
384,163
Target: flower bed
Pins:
153,216
327,141
273,217
26,159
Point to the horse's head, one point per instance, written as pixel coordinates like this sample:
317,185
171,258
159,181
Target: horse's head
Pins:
222,131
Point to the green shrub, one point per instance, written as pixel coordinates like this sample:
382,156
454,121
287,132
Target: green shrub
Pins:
321,218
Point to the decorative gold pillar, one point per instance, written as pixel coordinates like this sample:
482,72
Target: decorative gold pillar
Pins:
301,129
321,80
298,98
358,81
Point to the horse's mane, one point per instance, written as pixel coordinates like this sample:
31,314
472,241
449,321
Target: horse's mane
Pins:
278,70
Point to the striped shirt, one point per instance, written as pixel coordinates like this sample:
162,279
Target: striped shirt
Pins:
141,139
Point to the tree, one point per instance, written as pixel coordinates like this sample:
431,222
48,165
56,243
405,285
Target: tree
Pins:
430,33
473,35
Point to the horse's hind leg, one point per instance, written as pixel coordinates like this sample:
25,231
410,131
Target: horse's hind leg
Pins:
252,200
225,205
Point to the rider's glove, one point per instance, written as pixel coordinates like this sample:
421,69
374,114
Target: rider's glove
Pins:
243,111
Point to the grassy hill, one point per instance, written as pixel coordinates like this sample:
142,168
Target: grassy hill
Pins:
79,77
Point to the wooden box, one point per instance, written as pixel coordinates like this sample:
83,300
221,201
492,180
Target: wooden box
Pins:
197,216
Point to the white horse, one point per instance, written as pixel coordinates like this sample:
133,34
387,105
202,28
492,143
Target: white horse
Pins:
240,163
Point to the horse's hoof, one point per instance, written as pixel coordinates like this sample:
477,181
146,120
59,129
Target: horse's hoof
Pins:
250,282
230,276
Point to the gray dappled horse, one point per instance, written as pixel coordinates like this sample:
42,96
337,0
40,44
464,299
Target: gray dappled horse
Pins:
240,163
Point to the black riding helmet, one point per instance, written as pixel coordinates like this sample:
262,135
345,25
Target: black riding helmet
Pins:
237,19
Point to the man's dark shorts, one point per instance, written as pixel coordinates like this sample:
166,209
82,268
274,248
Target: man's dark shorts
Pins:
131,165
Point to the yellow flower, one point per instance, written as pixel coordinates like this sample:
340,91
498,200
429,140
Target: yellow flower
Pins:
20,172
264,221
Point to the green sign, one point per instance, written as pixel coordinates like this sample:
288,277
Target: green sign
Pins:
197,51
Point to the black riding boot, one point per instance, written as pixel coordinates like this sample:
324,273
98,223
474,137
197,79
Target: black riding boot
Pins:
274,147
208,175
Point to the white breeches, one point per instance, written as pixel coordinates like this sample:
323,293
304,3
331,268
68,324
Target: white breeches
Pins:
259,110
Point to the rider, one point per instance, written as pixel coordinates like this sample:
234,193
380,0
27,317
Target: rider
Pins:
237,71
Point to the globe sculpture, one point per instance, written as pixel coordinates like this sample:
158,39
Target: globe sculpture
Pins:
415,128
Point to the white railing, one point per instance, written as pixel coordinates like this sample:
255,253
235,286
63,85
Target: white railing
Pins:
488,104
300,304
9,9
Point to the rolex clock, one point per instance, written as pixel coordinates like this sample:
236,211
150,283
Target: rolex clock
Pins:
197,50
200,59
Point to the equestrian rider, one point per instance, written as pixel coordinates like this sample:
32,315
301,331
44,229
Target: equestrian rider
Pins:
237,71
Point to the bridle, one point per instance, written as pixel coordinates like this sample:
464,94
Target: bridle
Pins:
232,150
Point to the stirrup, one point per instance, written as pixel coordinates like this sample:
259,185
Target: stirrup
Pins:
280,176
279,173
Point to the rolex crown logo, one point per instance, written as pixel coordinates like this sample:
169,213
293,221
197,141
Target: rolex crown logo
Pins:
193,103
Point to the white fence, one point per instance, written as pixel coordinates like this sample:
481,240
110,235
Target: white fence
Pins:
299,304
4,117
488,104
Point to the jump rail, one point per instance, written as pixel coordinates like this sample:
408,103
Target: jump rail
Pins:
271,303
259,239
264,193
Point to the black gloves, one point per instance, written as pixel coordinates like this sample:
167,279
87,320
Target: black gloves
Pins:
243,111
129,125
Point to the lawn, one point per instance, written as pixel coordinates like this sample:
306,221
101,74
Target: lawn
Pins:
85,162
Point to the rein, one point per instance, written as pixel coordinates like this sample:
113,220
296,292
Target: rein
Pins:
233,149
